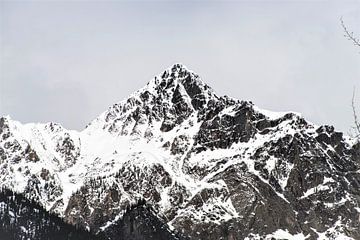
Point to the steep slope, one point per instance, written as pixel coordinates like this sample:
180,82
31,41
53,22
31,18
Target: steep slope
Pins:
211,167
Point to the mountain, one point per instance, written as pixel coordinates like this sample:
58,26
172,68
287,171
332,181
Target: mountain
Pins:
209,166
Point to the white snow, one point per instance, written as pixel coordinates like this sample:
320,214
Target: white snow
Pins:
279,234
315,189
284,234
273,115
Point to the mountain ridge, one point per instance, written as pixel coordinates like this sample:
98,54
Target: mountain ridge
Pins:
210,166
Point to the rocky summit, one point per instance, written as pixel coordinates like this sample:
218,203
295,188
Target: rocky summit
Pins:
176,161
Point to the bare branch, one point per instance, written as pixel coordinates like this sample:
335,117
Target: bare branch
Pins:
356,127
350,35
356,41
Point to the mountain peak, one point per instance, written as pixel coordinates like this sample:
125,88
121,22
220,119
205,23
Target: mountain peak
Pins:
178,67
180,80
170,97
175,75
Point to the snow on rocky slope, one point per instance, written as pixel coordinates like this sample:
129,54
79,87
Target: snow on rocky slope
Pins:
213,167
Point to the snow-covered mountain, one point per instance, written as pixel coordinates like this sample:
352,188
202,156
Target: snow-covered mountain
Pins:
211,166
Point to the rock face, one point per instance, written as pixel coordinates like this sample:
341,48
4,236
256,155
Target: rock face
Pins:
210,167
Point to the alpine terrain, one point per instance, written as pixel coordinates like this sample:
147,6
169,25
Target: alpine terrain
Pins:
176,161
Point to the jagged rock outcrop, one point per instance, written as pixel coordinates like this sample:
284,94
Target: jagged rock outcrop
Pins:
210,167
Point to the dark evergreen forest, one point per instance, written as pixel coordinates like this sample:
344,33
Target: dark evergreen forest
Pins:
23,219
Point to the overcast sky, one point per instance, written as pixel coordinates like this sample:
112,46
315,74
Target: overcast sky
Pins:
67,62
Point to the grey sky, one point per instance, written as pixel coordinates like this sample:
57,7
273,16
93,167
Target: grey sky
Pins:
67,62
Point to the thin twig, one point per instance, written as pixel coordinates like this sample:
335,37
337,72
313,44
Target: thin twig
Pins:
350,35
356,120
